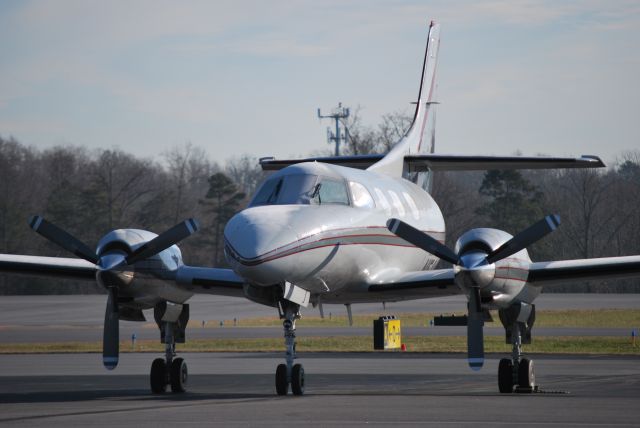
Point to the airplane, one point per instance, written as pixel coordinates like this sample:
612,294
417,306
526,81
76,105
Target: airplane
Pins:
344,230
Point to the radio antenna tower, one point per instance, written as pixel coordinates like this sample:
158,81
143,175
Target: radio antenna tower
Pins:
337,114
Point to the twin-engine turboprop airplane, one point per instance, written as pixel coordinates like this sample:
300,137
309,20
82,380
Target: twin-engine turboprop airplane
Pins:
334,230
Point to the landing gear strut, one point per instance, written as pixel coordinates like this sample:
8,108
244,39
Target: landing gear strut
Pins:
289,373
172,320
517,372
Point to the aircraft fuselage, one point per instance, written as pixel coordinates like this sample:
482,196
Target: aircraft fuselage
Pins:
331,247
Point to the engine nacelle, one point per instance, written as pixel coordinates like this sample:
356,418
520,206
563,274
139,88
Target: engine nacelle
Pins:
122,243
506,279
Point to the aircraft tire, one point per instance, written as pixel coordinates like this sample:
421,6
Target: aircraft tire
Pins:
178,375
282,386
526,375
505,376
297,380
158,376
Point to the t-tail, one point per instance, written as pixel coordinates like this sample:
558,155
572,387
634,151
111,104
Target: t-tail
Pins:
420,138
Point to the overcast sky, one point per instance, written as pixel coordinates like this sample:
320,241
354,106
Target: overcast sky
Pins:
554,77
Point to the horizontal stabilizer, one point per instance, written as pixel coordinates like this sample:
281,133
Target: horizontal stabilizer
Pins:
360,161
436,162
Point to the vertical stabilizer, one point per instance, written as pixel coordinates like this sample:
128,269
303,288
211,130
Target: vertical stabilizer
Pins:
420,138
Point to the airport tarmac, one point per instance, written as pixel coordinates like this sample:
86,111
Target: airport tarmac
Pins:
352,389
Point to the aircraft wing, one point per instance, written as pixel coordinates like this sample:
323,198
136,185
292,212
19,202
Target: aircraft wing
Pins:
203,280
438,162
196,279
417,285
558,272
60,267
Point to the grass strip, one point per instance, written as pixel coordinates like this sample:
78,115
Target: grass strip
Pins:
606,318
545,345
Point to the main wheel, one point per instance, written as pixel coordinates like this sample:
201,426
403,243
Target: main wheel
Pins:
505,376
158,376
282,384
297,380
178,375
526,375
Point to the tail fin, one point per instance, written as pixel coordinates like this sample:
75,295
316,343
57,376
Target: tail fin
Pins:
420,138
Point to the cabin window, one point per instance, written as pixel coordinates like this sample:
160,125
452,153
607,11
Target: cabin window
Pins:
412,205
361,196
397,203
328,191
383,201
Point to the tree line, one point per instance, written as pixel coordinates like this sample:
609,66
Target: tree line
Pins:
89,193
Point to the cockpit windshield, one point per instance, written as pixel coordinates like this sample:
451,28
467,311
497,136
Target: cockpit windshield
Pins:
301,189
286,190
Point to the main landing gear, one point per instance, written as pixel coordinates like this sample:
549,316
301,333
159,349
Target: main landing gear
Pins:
172,321
517,374
289,373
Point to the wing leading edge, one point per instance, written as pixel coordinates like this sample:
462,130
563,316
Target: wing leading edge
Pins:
558,272
221,282
60,267
418,285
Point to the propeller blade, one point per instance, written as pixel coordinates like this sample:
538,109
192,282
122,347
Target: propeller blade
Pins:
163,241
58,236
421,240
111,332
525,238
475,334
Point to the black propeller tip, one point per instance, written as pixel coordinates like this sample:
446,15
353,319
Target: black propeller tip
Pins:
192,224
35,222
553,220
392,224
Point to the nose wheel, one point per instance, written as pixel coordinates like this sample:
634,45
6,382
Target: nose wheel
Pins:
290,373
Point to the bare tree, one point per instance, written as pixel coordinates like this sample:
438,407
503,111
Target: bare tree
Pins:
391,130
117,182
188,168
246,172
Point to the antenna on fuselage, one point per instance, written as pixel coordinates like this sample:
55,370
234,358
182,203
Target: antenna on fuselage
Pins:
337,114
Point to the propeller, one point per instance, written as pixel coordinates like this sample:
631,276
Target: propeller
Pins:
58,236
111,331
163,241
107,263
474,270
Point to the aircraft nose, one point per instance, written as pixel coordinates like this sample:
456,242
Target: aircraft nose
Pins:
256,235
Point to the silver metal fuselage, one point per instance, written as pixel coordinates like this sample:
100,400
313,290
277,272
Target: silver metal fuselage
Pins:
334,251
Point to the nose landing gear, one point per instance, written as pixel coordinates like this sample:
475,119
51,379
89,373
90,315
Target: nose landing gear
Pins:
290,373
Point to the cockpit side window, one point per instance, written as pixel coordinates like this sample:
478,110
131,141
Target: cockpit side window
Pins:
361,196
329,191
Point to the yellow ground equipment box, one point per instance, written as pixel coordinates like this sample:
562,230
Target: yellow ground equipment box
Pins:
386,333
